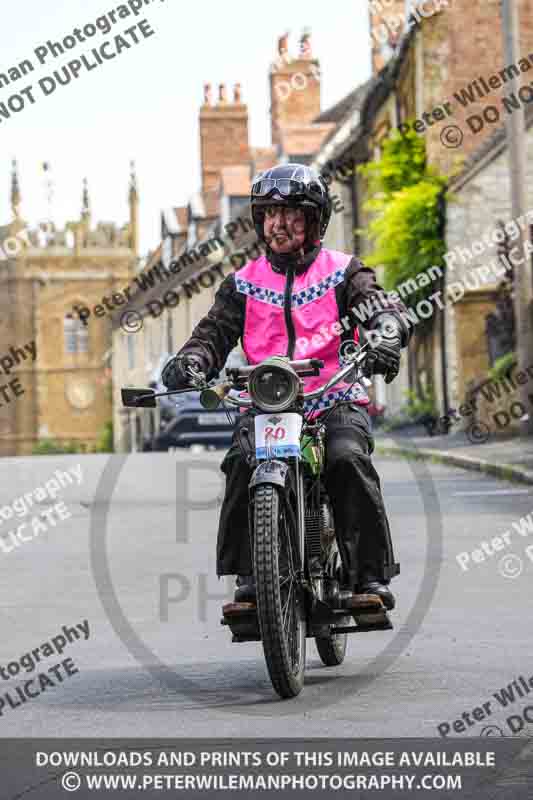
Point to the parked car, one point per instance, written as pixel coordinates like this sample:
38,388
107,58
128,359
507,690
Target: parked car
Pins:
190,423
184,421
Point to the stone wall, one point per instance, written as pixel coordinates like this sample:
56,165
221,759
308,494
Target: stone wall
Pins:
480,200
498,401
472,362
462,44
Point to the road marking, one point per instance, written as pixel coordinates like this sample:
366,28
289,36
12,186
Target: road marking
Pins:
485,492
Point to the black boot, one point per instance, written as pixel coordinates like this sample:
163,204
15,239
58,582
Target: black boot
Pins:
373,586
245,591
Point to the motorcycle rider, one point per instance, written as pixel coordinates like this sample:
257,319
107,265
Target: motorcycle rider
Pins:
277,304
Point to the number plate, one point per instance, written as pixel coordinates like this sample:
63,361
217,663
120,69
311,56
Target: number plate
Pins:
277,435
216,418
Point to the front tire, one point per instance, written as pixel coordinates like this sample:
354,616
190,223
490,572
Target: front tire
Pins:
279,602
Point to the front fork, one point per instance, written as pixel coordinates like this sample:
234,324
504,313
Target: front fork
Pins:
276,472
298,470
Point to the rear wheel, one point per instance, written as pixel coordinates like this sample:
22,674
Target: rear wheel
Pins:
332,648
279,602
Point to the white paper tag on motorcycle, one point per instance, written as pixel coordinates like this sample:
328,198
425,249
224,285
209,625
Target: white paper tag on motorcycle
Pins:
277,435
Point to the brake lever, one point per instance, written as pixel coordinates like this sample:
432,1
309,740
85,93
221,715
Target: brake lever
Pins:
358,360
197,378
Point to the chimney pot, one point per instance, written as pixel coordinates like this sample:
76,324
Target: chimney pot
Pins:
207,94
283,43
222,93
305,44
237,93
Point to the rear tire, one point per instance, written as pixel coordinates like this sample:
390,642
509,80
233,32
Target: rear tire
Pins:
332,648
279,603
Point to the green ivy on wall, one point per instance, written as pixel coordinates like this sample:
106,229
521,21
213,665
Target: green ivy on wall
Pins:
405,200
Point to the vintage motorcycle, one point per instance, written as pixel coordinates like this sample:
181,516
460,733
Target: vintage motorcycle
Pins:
297,565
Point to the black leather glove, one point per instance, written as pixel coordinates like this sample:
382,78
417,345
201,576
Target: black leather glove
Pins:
175,374
385,339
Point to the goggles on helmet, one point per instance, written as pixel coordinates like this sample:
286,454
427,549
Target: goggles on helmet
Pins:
286,187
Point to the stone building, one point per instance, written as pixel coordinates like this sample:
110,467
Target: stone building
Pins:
63,393
441,72
474,240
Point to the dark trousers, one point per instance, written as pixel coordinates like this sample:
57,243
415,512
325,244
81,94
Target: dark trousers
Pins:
353,486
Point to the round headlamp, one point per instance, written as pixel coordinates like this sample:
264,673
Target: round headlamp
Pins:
274,385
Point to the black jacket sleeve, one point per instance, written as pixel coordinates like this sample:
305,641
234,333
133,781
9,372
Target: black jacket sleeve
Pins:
218,332
365,300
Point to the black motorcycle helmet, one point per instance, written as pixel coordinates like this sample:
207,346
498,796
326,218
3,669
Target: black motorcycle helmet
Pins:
293,185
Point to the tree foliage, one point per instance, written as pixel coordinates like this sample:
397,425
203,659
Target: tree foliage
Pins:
49,447
105,442
405,202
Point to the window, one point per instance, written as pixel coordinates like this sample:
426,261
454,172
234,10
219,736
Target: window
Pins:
146,338
192,235
75,335
130,344
166,253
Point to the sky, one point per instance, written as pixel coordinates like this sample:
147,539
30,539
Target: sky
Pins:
144,104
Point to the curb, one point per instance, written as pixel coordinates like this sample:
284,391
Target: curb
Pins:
504,471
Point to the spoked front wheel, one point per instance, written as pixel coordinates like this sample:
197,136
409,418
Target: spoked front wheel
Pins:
279,602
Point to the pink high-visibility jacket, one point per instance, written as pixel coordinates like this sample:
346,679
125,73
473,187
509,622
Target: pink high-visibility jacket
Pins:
314,324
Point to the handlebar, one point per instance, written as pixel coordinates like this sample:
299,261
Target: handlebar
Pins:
211,397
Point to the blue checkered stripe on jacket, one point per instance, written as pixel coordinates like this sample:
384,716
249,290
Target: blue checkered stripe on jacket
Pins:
298,299
355,394
318,289
259,292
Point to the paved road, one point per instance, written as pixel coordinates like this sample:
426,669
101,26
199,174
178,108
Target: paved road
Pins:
157,668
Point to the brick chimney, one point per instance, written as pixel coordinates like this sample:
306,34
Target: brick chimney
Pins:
387,23
223,134
294,85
